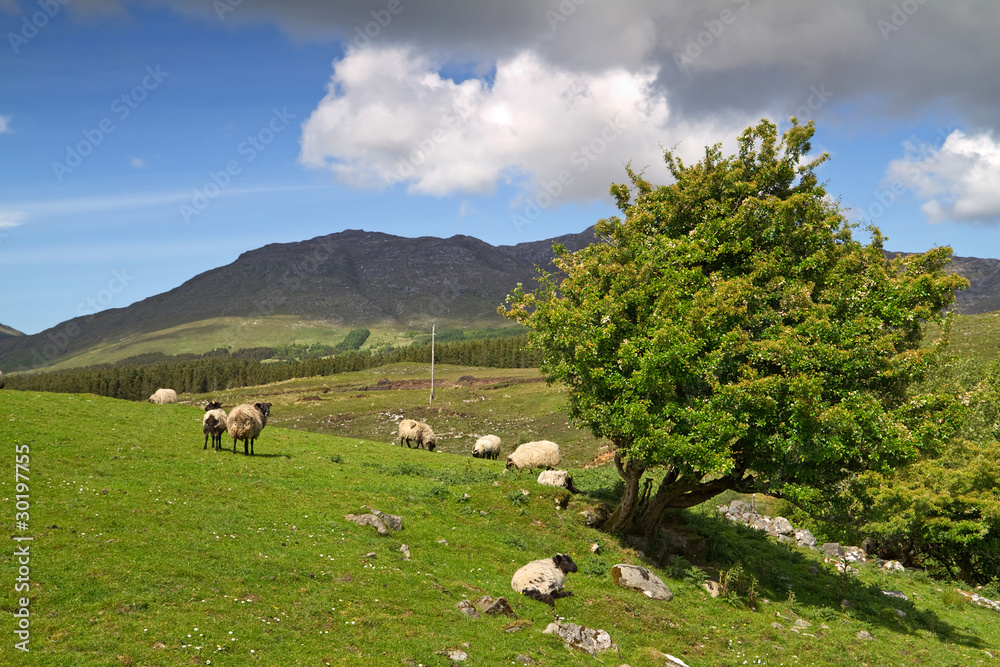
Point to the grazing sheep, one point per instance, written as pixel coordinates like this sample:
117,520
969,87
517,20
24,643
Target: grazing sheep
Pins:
213,424
487,447
543,580
419,432
557,478
537,454
161,396
245,423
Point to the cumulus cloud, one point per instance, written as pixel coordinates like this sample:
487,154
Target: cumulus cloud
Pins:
958,180
391,117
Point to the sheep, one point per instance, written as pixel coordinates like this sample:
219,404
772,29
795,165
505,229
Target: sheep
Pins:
557,478
213,424
161,396
487,447
245,423
419,432
537,454
543,580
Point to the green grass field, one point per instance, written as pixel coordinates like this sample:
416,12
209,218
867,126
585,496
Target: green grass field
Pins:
149,550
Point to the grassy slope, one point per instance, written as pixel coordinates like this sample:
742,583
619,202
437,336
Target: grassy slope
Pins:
150,550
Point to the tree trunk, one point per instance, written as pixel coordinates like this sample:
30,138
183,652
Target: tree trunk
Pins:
622,519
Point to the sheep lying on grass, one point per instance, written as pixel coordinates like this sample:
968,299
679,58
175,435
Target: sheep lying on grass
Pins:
245,423
537,454
558,478
418,432
487,447
213,424
161,396
543,580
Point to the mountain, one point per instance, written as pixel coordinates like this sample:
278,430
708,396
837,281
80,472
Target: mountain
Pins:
8,332
351,278
355,278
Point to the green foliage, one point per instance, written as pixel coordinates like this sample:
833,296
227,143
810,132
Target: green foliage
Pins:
730,329
354,339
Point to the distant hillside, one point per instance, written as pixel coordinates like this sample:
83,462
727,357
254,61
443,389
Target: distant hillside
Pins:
353,278
7,332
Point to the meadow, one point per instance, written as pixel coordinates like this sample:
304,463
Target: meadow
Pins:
149,550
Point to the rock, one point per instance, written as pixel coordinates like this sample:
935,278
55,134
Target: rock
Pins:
406,551
739,508
371,555
390,520
900,613
847,604
456,655
783,526
468,609
369,520
595,547
586,639
813,570
833,549
714,588
497,607
855,554
672,660
640,579
777,626
804,538
865,635
524,660
802,623
892,566
895,594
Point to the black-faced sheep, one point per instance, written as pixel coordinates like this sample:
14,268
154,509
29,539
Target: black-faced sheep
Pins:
161,396
411,430
245,423
537,454
543,580
487,447
557,478
213,424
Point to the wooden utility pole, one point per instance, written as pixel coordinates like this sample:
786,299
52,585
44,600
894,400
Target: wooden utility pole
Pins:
432,366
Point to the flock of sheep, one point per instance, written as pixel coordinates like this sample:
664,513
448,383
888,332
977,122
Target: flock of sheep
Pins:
540,580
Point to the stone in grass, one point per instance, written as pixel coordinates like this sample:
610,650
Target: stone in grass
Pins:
390,520
495,607
586,639
642,580
467,608
369,520
864,635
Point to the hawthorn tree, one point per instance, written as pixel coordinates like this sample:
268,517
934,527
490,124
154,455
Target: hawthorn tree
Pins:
728,332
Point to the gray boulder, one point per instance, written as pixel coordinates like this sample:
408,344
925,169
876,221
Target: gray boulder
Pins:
642,580
586,639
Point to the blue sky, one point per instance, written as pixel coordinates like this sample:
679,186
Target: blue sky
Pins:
142,143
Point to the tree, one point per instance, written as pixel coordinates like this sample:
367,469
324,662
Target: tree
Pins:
729,331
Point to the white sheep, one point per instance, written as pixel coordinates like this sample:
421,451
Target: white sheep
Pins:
557,478
161,396
419,432
487,447
213,424
245,423
543,580
537,454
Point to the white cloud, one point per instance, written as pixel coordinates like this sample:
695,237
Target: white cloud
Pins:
5,125
389,116
137,163
10,219
958,180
